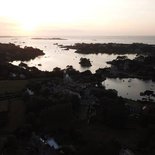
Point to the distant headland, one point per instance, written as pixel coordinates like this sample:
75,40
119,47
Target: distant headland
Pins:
37,38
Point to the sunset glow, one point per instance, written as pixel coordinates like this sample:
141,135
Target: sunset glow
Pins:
113,17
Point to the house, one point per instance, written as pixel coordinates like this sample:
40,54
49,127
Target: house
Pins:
52,143
30,92
45,146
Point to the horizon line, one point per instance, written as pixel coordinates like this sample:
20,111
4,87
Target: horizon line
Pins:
9,36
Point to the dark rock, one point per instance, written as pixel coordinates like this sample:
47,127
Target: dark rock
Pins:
23,65
84,62
11,52
113,48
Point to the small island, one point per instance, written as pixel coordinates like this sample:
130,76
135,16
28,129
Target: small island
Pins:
84,62
49,38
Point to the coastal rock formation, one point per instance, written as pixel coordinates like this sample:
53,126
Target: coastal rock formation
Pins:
148,93
122,67
11,52
113,48
84,62
140,67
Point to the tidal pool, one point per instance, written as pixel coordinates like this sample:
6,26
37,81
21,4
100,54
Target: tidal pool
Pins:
130,87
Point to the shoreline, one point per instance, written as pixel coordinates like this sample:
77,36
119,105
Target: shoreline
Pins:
112,48
12,52
121,67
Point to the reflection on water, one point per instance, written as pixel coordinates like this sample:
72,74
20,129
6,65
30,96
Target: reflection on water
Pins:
129,88
62,58
57,57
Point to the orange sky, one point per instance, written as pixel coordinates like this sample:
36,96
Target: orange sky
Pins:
77,17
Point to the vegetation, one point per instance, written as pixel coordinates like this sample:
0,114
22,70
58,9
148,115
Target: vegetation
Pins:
74,109
113,48
11,52
141,67
84,62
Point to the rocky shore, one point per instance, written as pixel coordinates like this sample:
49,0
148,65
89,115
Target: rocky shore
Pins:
113,48
12,52
84,62
142,67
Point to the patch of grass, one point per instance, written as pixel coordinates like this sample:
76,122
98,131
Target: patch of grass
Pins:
12,85
16,114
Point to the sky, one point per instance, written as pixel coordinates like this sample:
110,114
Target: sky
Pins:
77,17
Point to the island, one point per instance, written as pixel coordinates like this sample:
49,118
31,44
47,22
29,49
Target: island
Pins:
49,38
113,48
142,67
84,62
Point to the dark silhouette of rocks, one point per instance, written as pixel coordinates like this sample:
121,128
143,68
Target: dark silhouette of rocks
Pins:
23,65
141,67
121,57
113,48
12,52
84,62
9,71
148,93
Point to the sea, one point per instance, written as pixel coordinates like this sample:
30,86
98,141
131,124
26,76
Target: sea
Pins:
59,57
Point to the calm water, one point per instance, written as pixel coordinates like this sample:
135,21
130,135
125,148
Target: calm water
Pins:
129,88
57,57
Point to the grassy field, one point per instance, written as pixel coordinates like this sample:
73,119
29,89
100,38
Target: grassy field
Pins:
15,107
16,115
12,85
